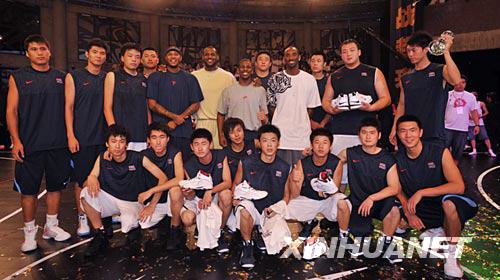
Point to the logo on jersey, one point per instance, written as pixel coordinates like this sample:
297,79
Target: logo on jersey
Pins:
249,152
219,165
278,173
402,170
431,164
29,82
59,80
382,166
131,168
173,82
407,82
432,74
364,74
143,84
356,160
86,83
123,82
253,172
169,161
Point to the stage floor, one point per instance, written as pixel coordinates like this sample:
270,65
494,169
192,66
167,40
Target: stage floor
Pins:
65,260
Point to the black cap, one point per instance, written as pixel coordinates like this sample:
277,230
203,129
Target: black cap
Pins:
176,49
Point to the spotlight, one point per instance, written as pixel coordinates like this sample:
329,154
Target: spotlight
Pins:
1,37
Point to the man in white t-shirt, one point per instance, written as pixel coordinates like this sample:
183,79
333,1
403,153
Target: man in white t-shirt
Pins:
460,105
292,94
482,112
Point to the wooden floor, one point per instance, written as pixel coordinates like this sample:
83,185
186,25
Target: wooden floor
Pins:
64,260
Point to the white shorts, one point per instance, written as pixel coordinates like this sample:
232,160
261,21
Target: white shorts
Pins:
108,205
137,146
192,204
250,207
305,209
341,142
161,210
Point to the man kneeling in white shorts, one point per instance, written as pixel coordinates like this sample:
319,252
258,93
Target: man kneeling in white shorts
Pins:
112,188
314,186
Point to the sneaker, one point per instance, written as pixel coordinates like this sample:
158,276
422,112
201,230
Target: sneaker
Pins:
433,232
247,259
353,100
341,102
202,181
107,223
452,266
83,226
174,239
352,241
245,191
314,248
55,232
324,183
116,219
307,229
259,242
134,240
98,244
491,153
400,231
223,245
392,258
363,98
473,153
29,243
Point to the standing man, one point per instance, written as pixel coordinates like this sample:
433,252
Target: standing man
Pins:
422,90
245,101
85,124
317,62
125,97
353,77
292,95
173,96
213,80
149,60
460,105
263,65
35,117
482,112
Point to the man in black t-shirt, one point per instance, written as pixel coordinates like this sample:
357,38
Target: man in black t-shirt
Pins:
125,97
422,90
432,190
373,185
84,97
35,117
169,159
113,187
212,165
263,172
237,148
314,185
317,62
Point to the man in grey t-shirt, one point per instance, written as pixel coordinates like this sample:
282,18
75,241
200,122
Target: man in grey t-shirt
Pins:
245,101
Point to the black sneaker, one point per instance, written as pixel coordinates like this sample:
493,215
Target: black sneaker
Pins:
98,244
223,245
107,223
351,240
164,227
307,229
392,258
134,238
259,242
174,239
247,259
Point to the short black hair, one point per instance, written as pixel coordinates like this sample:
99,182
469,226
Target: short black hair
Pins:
263,52
150,49
419,38
350,41
268,128
35,38
321,132
117,130
245,59
370,121
158,126
464,77
409,118
210,47
320,53
130,46
97,43
291,47
201,133
230,124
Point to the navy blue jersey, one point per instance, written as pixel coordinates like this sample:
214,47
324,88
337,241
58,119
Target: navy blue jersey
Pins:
311,171
234,158
425,97
41,109
318,112
88,117
214,168
367,173
124,180
270,177
165,163
175,92
130,107
425,171
344,81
